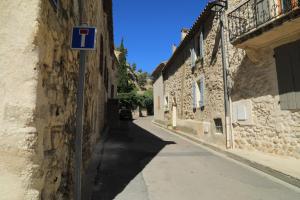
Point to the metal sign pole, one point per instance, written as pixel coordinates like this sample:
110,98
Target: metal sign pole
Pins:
79,115
79,125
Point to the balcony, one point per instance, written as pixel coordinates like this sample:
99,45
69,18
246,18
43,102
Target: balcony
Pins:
258,23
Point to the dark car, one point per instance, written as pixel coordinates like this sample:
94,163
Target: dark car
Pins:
125,114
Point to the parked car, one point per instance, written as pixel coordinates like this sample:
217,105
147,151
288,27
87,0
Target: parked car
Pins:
125,114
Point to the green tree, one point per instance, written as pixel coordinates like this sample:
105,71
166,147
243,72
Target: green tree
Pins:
148,101
123,79
133,67
142,79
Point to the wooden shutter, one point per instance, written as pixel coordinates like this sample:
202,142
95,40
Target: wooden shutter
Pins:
202,87
288,73
194,95
295,52
201,45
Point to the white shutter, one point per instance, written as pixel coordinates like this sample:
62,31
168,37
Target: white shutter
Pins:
202,87
193,57
194,95
201,45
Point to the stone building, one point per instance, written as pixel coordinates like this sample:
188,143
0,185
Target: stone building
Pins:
265,71
38,81
158,93
193,83
264,94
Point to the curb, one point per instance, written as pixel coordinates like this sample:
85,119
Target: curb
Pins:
268,170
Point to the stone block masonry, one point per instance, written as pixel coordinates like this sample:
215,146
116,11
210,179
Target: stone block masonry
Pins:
38,81
179,78
259,122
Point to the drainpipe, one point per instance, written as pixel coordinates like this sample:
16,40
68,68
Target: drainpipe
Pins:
228,130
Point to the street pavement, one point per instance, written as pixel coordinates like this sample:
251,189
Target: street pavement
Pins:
141,161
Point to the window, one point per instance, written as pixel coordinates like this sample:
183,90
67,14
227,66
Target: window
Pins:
218,125
198,93
166,102
112,91
193,57
288,73
101,55
113,64
201,45
106,78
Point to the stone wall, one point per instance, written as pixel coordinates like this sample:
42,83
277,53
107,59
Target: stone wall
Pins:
39,83
179,77
254,85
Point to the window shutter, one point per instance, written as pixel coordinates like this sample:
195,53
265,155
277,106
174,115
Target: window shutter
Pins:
193,57
201,45
296,71
194,95
287,70
202,86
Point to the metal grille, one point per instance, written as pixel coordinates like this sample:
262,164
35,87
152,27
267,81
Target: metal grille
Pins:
255,13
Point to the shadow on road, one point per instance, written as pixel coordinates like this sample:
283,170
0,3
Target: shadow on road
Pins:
127,151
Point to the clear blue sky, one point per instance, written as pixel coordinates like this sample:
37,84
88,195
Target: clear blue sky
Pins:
150,27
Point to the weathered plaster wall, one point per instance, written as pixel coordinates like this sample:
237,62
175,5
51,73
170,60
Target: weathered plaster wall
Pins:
18,80
38,88
158,98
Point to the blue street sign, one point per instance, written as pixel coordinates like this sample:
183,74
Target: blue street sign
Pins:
83,38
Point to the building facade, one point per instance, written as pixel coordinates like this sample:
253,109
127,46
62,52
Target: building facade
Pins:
265,73
264,95
193,83
158,92
38,84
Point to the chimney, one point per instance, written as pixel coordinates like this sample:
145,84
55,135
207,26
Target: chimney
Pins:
174,48
184,33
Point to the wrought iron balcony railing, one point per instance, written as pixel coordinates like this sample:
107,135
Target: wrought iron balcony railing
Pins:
255,13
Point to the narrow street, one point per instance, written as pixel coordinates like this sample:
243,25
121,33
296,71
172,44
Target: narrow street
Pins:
144,162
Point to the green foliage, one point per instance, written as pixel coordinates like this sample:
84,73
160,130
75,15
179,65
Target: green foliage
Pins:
149,93
123,79
142,79
148,101
127,91
133,67
132,100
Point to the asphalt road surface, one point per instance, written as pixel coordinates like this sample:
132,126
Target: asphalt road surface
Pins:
141,161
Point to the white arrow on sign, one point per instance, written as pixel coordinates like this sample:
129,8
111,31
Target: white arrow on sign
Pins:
83,33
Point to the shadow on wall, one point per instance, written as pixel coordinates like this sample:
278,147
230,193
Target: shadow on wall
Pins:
216,46
253,81
127,151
